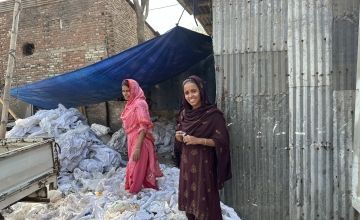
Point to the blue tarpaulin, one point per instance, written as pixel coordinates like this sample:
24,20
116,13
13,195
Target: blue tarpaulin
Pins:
149,63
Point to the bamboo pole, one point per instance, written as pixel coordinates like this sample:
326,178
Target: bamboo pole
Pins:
10,68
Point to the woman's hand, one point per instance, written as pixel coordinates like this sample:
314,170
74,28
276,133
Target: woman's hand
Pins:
138,146
136,154
191,140
179,135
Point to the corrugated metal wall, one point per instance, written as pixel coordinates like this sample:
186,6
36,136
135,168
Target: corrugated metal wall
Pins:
322,50
250,41
285,78
310,50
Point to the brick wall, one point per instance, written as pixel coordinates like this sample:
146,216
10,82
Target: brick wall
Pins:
122,26
5,25
66,35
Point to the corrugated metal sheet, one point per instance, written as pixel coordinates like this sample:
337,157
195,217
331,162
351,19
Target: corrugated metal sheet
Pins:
321,39
313,44
252,89
344,102
310,37
355,167
344,44
256,105
321,133
249,26
310,152
355,178
309,51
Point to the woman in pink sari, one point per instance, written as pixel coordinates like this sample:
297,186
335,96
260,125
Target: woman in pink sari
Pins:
143,167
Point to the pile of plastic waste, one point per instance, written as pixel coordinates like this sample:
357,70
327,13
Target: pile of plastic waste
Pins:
102,196
91,180
79,145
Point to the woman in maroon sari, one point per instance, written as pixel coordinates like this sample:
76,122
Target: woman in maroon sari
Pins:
203,142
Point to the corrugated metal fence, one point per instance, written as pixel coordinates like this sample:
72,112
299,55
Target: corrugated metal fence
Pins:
285,75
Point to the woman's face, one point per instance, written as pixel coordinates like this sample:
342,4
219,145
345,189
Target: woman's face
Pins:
192,94
126,92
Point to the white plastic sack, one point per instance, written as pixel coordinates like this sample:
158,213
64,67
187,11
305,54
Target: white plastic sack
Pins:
91,165
100,130
119,141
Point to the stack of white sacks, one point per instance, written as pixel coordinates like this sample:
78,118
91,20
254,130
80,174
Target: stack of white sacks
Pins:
163,132
91,181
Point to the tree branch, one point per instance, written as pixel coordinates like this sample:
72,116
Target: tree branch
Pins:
137,7
146,9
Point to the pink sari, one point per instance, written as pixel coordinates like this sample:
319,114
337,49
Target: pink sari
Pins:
136,118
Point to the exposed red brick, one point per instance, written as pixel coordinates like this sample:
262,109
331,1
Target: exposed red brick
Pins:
67,35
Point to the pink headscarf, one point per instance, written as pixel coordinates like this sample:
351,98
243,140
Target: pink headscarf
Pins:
137,101
136,93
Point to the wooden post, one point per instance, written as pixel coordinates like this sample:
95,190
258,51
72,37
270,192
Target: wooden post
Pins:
10,111
10,68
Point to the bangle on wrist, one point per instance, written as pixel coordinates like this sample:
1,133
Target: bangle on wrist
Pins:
204,141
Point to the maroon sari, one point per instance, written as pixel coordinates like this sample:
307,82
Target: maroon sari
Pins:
203,169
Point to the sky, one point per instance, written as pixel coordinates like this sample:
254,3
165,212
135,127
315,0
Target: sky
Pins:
164,14
163,18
